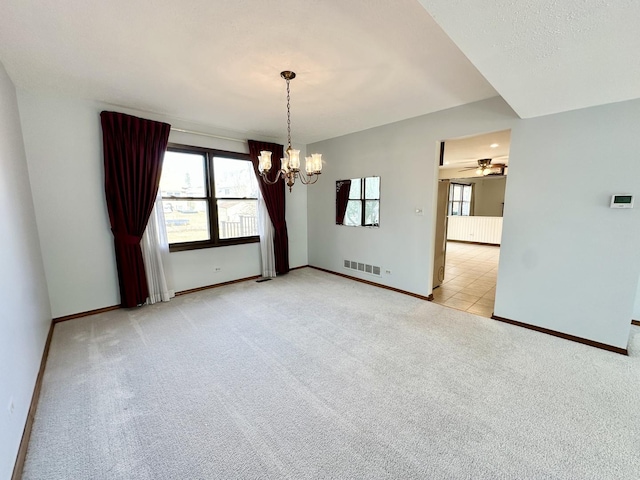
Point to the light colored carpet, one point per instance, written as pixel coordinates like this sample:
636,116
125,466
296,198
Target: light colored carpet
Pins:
315,376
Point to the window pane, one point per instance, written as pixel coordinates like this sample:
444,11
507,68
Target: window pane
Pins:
186,220
466,193
457,193
372,212
234,178
353,215
237,218
354,192
372,187
465,208
455,208
183,175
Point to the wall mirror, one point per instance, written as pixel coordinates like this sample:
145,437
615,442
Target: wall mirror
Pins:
358,202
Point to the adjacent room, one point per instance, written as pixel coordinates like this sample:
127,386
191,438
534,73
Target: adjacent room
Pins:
472,183
338,239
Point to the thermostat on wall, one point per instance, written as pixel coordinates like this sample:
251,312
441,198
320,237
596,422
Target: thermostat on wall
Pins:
621,200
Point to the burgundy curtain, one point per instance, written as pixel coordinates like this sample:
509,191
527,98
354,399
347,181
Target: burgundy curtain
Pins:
133,153
274,199
342,198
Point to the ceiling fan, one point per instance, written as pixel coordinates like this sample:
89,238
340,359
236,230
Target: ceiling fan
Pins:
485,167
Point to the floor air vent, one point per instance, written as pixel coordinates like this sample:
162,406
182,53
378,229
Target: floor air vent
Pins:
363,267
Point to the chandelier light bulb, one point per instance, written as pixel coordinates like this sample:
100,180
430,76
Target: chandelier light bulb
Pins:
284,164
316,161
264,161
294,159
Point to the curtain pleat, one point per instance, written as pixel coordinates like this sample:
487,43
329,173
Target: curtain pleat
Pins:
274,198
133,152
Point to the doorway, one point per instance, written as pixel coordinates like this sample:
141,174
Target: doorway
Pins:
471,191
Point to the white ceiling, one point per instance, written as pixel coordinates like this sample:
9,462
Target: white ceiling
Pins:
465,152
549,56
360,63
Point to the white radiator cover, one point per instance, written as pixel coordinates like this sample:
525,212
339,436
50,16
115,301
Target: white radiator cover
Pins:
475,229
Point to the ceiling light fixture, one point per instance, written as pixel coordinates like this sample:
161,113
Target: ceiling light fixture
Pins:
484,166
494,145
290,165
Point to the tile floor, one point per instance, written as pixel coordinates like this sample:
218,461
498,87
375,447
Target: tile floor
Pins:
470,278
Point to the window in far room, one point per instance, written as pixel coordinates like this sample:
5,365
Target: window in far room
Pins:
209,197
459,199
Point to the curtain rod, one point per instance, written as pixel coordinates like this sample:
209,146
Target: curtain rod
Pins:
181,130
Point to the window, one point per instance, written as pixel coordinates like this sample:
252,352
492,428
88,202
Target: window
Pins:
363,206
460,199
209,198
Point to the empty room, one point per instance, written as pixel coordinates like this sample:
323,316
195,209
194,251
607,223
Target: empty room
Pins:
223,249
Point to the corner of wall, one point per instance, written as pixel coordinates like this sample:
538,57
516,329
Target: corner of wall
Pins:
23,286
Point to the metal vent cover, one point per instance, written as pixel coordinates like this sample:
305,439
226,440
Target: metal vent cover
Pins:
363,267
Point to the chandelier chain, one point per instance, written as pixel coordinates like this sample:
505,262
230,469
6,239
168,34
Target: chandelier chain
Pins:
288,115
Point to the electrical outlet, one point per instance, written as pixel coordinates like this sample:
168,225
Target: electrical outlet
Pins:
11,406
217,269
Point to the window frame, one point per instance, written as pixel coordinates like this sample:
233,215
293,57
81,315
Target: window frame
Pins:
363,203
211,199
460,202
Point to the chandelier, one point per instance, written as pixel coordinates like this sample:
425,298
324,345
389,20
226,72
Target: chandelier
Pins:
290,165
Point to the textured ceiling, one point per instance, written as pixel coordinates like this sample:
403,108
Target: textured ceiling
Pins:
360,63
548,56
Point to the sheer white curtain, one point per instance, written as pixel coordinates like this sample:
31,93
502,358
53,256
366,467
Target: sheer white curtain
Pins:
265,230
155,252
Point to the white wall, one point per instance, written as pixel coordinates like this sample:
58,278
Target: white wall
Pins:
63,144
568,262
26,315
62,141
636,306
404,155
